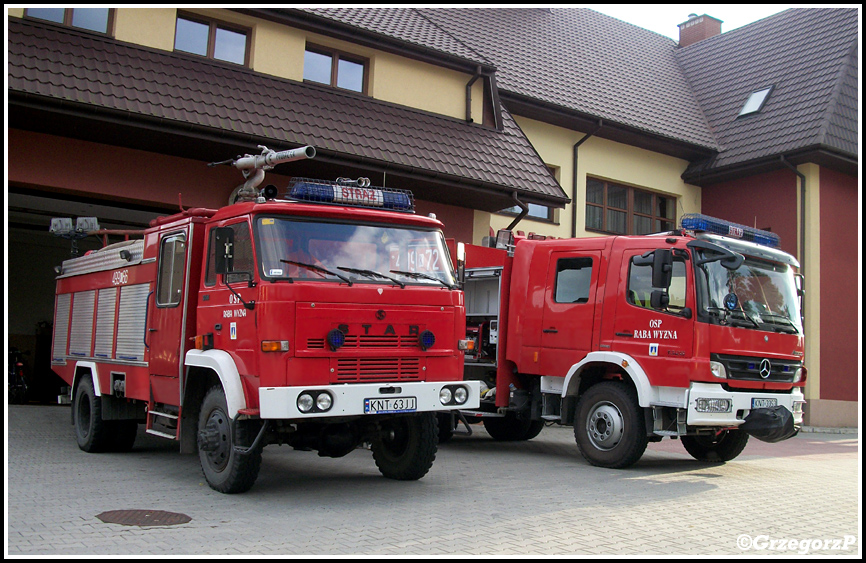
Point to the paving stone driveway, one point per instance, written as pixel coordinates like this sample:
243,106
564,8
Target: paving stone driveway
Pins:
481,497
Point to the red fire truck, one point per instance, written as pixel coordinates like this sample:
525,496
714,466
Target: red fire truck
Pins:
324,318
694,334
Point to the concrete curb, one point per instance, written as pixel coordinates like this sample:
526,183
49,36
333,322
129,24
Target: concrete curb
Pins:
820,430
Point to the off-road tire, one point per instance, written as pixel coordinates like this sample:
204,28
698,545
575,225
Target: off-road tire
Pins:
512,428
122,435
226,470
718,449
446,426
609,425
406,446
93,434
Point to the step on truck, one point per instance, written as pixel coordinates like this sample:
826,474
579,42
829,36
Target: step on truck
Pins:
694,334
325,317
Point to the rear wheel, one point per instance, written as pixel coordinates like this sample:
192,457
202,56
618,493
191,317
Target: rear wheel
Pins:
718,448
512,428
406,446
609,426
225,469
91,432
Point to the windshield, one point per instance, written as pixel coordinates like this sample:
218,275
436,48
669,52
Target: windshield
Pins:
760,295
296,249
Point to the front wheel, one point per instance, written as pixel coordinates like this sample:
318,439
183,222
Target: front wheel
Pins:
406,446
225,469
609,426
717,448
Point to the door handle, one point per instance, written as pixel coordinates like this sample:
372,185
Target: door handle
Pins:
629,334
550,330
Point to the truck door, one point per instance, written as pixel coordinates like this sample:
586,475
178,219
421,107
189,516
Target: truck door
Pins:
569,305
167,319
661,341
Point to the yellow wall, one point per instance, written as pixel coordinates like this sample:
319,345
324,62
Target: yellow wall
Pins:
813,276
278,50
598,158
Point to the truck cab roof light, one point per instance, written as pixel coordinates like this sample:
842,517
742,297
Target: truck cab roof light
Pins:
355,193
700,222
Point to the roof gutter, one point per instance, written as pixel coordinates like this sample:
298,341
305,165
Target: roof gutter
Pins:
802,177
574,177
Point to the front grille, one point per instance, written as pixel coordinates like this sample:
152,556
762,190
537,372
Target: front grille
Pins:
372,370
389,341
748,368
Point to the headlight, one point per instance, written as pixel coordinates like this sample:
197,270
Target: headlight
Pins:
305,402
324,401
713,405
445,396
460,395
718,370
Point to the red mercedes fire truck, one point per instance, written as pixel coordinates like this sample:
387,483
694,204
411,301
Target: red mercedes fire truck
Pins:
687,334
324,318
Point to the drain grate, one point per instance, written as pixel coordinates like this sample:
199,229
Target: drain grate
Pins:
143,517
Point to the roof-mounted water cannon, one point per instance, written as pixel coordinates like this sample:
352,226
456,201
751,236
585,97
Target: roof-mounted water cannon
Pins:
253,168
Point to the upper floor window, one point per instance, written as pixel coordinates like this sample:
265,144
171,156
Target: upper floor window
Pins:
332,67
93,19
212,39
624,210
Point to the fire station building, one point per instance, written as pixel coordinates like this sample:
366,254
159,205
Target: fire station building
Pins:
560,122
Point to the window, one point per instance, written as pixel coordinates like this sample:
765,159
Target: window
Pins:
172,261
572,280
211,39
242,255
331,67
93,19
756,101
640,286
623,210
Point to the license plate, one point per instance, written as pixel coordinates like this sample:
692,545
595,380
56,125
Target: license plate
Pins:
763,403
390,405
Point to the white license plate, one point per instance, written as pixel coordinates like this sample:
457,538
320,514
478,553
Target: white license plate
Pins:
763,403
389,405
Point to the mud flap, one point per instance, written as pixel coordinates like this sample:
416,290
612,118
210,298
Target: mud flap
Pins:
772,424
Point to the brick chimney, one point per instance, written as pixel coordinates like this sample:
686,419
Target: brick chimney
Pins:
698,28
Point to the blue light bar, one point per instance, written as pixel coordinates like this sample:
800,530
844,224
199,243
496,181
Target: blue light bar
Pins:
352,194
700,222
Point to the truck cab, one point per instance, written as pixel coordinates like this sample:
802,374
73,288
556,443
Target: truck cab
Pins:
686,334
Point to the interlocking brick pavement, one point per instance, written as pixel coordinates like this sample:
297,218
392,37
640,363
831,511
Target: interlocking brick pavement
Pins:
481,497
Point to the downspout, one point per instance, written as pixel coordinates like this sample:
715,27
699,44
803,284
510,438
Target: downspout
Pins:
524,209
574,178
802,212
469,94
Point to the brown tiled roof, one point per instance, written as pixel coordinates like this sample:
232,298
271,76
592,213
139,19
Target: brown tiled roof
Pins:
577,59
98,73
808,55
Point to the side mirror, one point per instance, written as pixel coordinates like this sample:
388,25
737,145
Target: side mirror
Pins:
663,265
461,262
659,299
224,242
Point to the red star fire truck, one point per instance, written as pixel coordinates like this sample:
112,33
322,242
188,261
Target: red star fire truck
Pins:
687,334
323,318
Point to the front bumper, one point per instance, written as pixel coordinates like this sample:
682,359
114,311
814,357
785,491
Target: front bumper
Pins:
741,405
348,399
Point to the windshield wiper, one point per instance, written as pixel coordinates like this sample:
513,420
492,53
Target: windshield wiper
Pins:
418,275
372,274
786,322
746,317
318,268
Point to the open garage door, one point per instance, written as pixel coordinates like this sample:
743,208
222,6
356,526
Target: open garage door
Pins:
32,254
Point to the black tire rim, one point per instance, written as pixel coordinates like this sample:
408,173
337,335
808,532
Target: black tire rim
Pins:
395,438
218,432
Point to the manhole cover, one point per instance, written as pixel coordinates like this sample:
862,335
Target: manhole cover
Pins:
143,517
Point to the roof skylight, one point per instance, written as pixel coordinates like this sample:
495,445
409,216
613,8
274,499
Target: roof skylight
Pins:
756,101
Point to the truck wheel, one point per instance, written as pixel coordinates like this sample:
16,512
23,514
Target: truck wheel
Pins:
406,446
724,447
609,426
123,433
225,470
512,429
91,432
